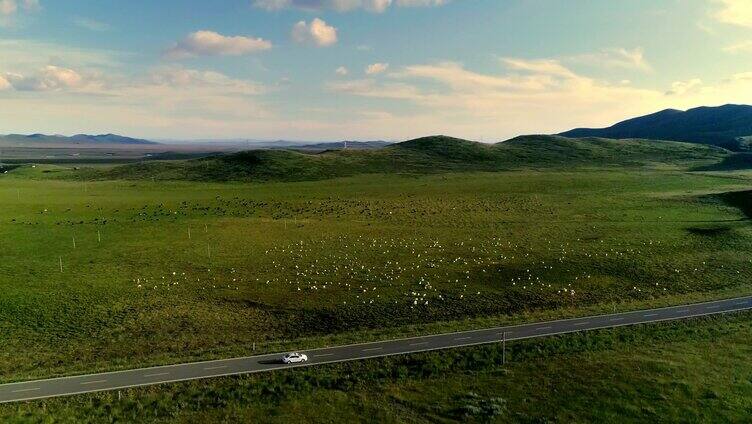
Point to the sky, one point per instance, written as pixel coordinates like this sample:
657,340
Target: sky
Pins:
484,70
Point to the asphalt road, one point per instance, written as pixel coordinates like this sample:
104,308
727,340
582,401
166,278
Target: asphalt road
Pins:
65,386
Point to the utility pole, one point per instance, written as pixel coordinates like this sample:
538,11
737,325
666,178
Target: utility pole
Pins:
504,348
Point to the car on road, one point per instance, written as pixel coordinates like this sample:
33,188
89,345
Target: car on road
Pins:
294,358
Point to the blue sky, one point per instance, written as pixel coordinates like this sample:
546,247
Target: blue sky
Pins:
363,69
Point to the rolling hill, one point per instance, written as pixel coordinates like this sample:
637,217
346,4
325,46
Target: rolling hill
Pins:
78,139
728,126
422,156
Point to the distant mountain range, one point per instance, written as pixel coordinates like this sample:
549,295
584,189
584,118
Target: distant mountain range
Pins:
728,126
240,144
338,145
27,140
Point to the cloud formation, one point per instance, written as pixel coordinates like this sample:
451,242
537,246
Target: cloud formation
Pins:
456,100
91,24
376,68
210,43
622,58
743,47
734,12
374,6
317,33
192,79
49,78
10,7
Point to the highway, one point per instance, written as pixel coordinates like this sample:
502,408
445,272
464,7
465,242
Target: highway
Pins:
65,386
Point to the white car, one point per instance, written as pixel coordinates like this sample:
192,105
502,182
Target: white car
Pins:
294,358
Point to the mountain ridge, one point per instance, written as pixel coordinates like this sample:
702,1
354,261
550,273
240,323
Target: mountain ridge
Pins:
728,126
90,139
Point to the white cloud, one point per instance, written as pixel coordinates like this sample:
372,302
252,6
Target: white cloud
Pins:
50,78
181,78
342,71
210,43
681,88
734,12
743,47
376,68
318,33
27,56
91,24
421,3
456,100
616,58
375,6
10,7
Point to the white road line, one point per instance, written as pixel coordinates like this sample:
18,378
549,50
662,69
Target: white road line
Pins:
462,338
419,344
543,328
218,367
713,307
744,302
372,349
93,382
617,319
156,375
650,315
581,323
683,311
26,390
324,354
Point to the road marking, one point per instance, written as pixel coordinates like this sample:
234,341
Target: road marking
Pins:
543,328
744,302
713,307
372,349
156,375
617,319
463,338
683,311
419,344
26,390
218,367
581,323
93,382
650,315
324,354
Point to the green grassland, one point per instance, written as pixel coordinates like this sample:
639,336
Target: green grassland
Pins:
112,267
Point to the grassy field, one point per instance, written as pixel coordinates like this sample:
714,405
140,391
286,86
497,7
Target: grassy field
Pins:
158,271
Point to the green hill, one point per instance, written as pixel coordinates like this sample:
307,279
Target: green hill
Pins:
421,156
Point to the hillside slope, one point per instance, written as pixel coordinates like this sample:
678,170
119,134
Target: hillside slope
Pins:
728,126
422,156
